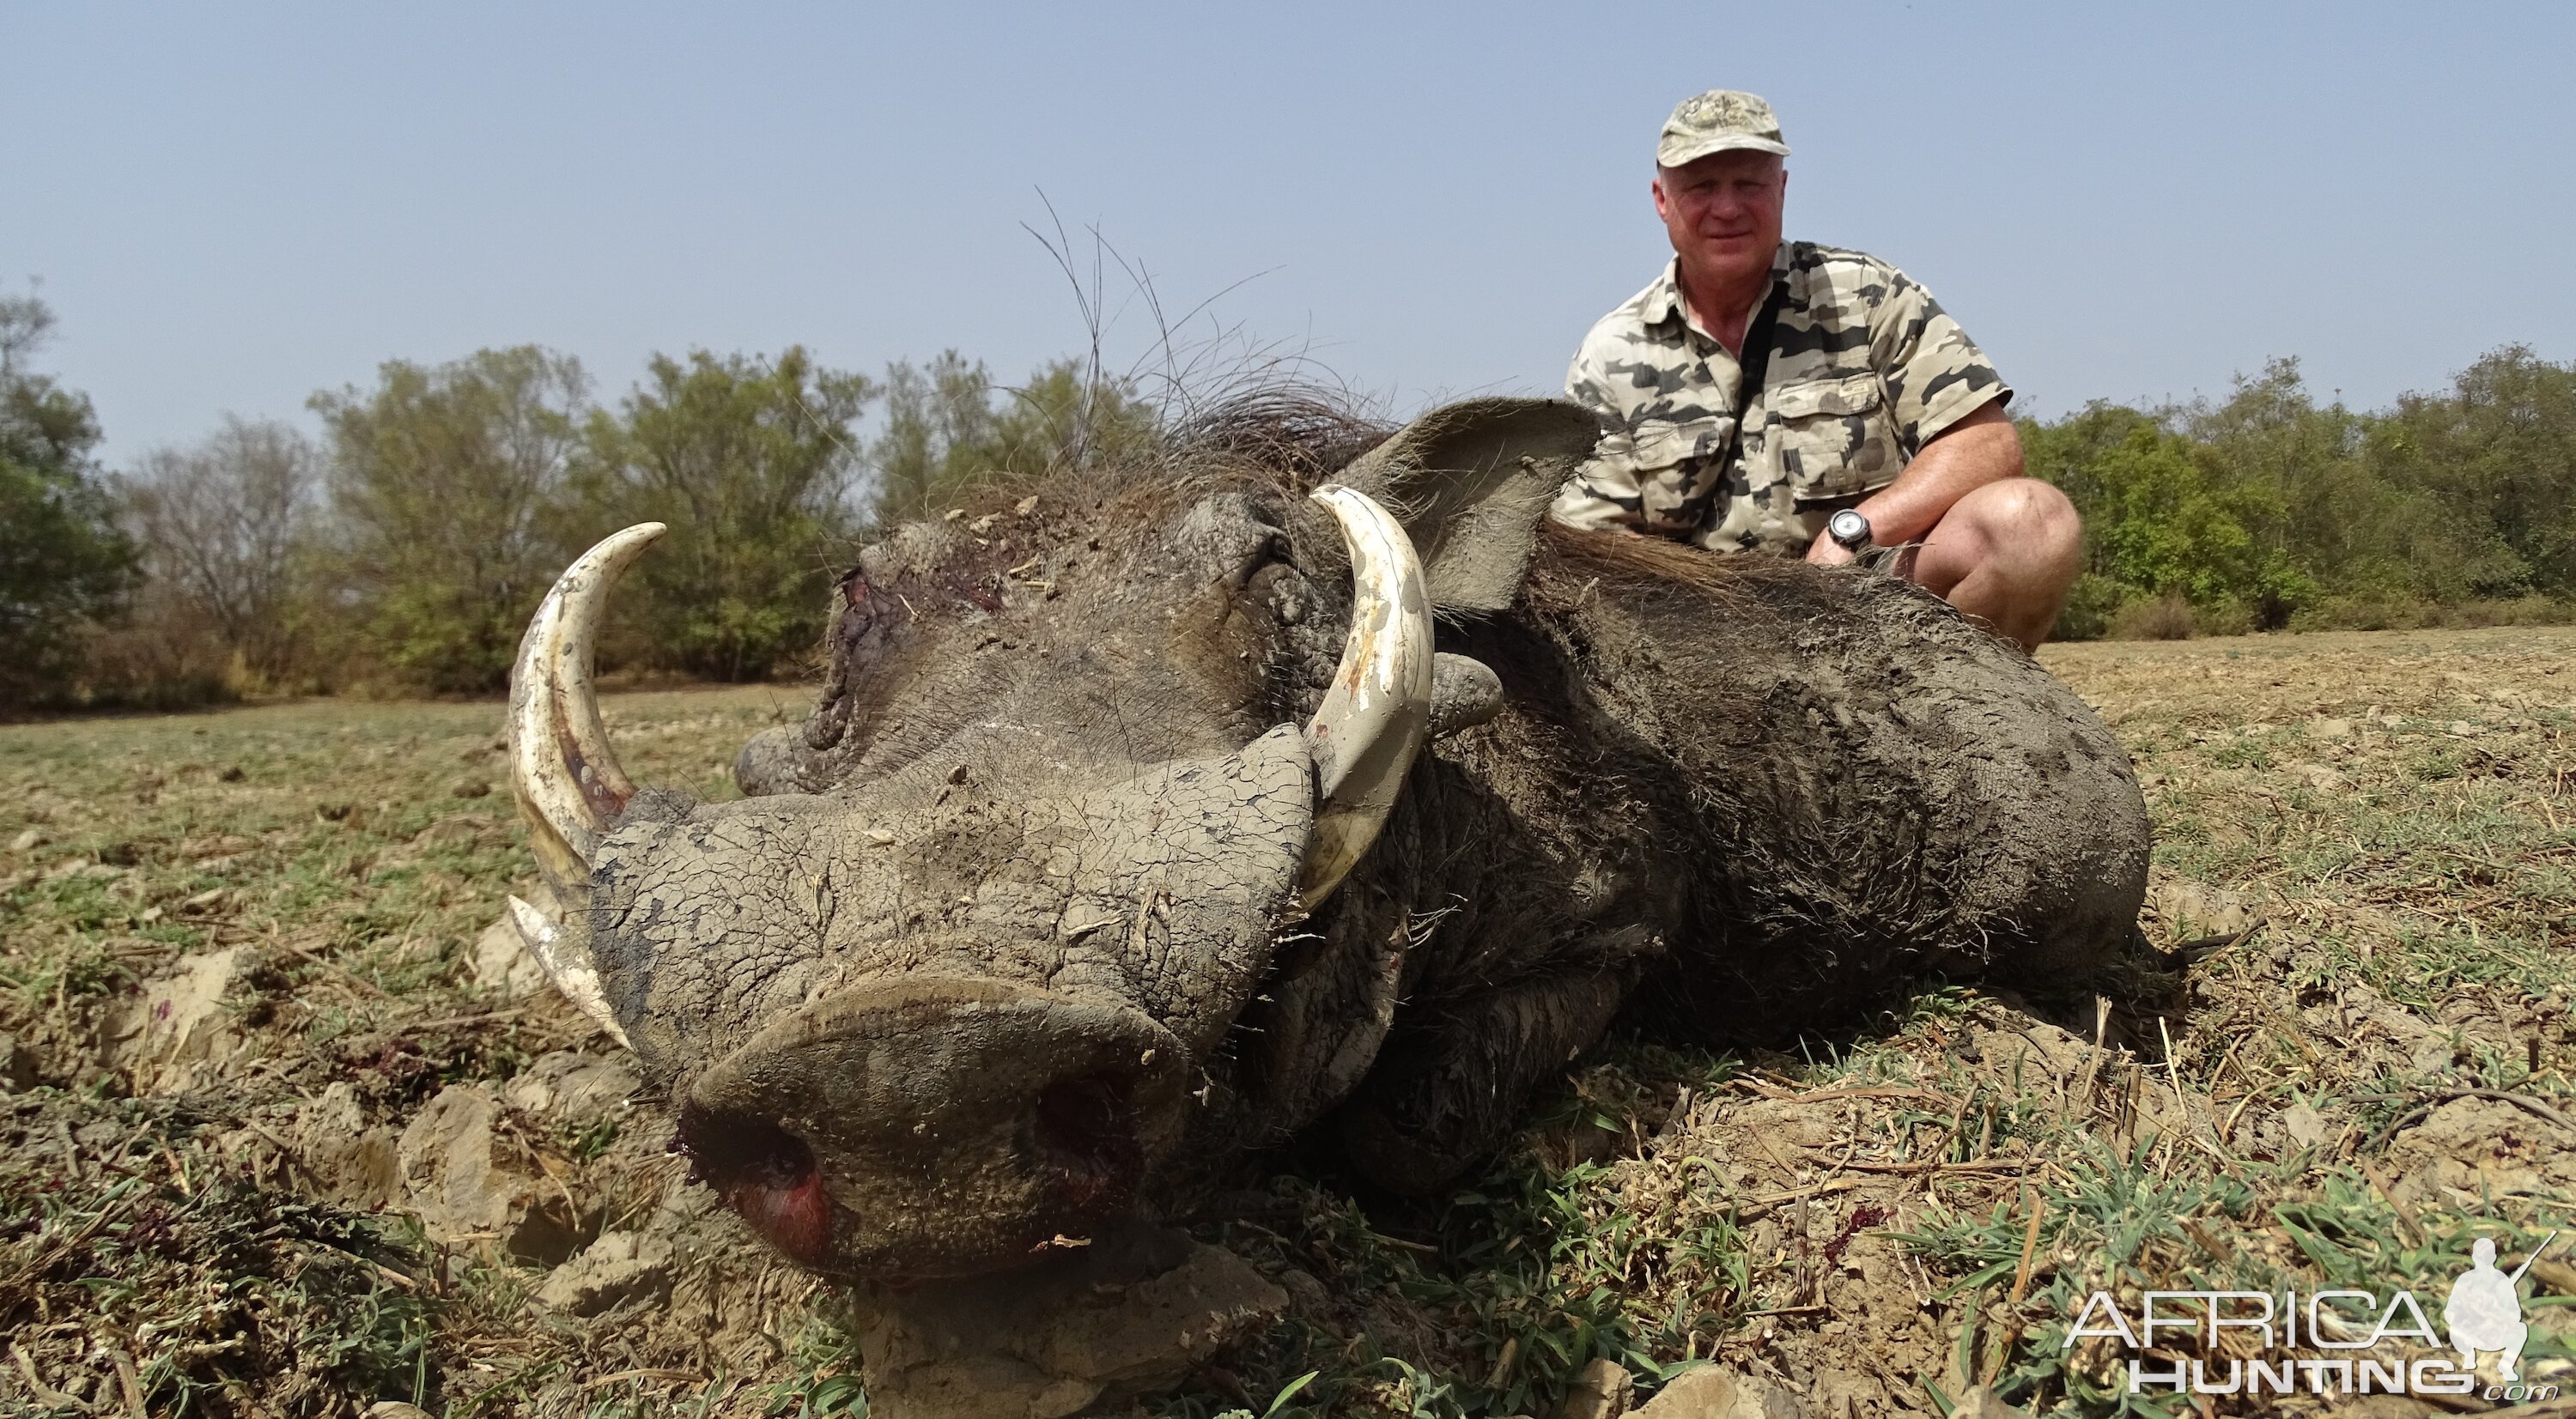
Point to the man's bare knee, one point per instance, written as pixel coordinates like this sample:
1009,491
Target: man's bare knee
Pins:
2018,528
2028,517
2007,553
2030,533
2056,527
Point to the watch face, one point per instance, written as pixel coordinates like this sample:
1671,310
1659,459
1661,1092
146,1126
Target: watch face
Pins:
1848,527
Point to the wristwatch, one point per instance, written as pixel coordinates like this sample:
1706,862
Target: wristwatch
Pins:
1849,528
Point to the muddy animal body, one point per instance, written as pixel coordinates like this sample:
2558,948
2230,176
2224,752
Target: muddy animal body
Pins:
1735,798
1027,926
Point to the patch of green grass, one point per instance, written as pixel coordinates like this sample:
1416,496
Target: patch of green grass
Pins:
588,1141
208,1275
1523,1276
2247,753
824,1382
2439,762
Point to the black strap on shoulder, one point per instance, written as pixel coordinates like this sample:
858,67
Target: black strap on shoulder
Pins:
1755,362
1757,341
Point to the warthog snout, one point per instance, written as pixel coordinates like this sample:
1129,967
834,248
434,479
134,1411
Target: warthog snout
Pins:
935,1126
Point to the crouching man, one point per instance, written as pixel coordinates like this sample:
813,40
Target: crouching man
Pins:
1784,397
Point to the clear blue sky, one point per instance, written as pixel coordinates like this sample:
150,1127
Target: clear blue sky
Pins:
231,206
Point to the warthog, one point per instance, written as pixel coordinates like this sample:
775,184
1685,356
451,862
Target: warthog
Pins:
1153,818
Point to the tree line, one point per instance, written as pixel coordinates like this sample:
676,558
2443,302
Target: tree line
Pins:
403,550
2270,511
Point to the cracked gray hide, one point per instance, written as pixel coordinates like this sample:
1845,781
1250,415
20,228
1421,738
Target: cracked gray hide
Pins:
1004,943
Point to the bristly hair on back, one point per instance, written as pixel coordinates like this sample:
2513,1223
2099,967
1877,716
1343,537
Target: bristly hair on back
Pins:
1306,434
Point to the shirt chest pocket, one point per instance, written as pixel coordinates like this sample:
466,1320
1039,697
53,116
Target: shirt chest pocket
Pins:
1830,438
1674,463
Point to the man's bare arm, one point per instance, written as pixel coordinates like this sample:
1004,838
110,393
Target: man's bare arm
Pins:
1979,449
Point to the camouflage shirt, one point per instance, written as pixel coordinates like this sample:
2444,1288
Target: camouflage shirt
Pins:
1865,369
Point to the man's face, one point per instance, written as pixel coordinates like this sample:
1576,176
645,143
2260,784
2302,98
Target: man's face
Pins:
1723,211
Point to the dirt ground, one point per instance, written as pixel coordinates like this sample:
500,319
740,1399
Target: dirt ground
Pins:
283,1133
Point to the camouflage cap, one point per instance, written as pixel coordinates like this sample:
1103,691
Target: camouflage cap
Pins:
1716,121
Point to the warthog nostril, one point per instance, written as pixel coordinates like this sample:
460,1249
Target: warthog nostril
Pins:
1086,1137
954,1122
766,1174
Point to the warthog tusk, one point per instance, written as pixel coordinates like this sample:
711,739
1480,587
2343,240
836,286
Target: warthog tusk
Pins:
1378,712
568,966
562,770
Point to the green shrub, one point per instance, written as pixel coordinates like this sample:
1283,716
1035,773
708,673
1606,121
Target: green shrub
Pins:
2090,606
2267,511
2153,618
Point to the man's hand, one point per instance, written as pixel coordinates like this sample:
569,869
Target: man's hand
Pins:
2001,547
1979,449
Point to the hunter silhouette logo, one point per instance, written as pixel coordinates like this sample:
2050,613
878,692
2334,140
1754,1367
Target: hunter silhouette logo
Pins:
2346,1330
2485,1309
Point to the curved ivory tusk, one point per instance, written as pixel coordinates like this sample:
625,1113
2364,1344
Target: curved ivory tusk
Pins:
1378,712
562,770
570,969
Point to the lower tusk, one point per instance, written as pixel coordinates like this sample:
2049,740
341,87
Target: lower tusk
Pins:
568,966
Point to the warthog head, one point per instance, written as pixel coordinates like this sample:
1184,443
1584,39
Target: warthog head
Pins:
945,991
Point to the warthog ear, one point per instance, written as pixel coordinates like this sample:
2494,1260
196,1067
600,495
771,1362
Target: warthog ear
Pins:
1470,481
